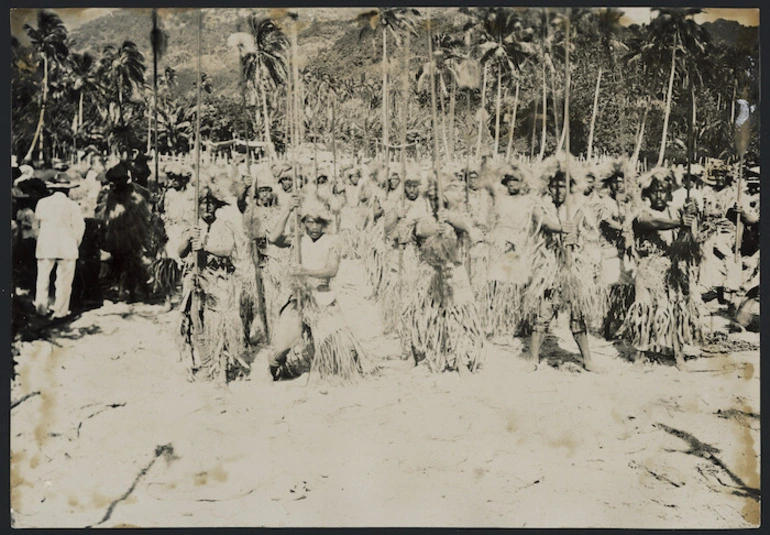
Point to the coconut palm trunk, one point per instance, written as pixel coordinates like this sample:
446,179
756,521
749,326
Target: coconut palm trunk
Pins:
545,116
512,124
640,135
444,128
452,103
593,115
385,93
266,119
39,129
732,105
481,110
498,104
667,115
534,133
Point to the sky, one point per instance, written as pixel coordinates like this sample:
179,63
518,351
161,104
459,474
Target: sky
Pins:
74,17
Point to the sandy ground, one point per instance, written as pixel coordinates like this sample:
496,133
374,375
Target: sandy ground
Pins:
109,432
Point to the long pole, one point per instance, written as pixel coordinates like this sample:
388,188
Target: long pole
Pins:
568,200
155,90
295,141
198,130
439,188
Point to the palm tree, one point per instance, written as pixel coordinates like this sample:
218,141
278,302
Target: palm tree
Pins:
265,63
607,28
85,82
49,40
159,42
393,21
674,29
125,70
447,58
504,45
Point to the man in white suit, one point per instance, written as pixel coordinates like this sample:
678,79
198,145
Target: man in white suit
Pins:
60,230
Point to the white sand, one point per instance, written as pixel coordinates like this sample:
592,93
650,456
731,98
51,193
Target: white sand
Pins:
502,448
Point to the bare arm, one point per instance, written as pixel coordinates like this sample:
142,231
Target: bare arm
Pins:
329,270
277,235
546,221
648,221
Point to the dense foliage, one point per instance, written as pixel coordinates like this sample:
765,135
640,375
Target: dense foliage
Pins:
498,73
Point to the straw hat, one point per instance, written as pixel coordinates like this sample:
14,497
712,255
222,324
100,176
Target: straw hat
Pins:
60,181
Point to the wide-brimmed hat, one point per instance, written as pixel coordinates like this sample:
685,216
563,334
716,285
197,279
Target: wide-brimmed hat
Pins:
60,181
33,188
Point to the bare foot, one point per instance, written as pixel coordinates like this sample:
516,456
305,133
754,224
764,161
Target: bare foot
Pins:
681,365
590,366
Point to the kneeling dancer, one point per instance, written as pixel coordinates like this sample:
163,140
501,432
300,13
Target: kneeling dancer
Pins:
312,307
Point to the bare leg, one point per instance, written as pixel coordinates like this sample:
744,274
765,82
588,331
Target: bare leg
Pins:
534,347
585,352
287,334
679,356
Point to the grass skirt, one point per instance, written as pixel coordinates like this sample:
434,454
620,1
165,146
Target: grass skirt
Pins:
211,327
577,283
662,316
503,302
336,352
375,256
442,320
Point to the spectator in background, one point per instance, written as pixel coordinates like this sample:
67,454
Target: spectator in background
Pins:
59,226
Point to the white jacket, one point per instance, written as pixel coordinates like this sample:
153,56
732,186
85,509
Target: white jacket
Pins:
61,227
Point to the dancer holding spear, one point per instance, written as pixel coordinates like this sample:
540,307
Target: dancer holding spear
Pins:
211,325
442,319
559,276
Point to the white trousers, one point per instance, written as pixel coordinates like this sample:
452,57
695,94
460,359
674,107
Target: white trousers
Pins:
65,272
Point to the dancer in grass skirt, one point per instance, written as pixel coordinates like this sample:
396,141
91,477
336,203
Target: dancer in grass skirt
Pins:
444,327
211,329
510,243
614,213
665,314
310,308
561,279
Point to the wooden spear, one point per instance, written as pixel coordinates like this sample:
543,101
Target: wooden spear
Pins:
198,131
568,200
402,120
434,152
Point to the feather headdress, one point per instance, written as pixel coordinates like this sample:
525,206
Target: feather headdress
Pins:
556,164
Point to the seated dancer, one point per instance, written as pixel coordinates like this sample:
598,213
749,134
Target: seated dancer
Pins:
664,316
211,328
560,279
441,318
614,213
312,305
510,240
